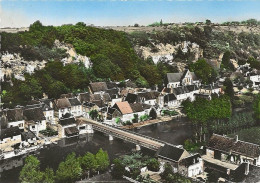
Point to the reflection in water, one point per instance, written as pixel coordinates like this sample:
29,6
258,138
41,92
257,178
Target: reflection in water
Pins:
174,132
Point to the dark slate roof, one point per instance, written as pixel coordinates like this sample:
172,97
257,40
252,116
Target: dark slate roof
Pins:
166,90
84,97
98,86
148,95
67,121
169,97
146,106
137,107
71,131
14,115
95,97
190,160
74,101
112,92
226,144
180,90
10,132
174,77
130,84
131,98
106,97
28,135
192,88
194,77
170,152
99,103
111,85
210,87
111,110
34,114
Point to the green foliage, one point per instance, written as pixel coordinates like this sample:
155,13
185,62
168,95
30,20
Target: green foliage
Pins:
118,120
251,135
89,162
118,169
190,146
203,71
153,165
69,170
102,160
48,176
256,107
145,179
135,119
49,132
153,114
169,113
201,110
93,114
168,176
229,90
144,117
30,172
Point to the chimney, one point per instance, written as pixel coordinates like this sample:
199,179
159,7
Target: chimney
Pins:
171,89
236,138
247,168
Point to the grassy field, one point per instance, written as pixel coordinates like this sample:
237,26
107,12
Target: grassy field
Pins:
249,135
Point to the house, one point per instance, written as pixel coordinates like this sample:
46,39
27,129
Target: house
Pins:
138,109
97,87
255,78
172,155
29,138
113,113
131,98
232,150
210,89
174,80
125,109
48,111
191,166
68,105
170,100
148,97
14,117
84,127
67,126
34,119
12,134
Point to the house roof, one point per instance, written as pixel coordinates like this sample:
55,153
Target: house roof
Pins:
84,97
180,90
124,107
112,92
28,135
106,97
99,103
13,115
136,107
149,95
67,95
170,152
67,121
111,85
174,77
74,102
10,132
131,98
192,88
169,97
146,106
98,86
166,90
34,114
130,84
228,145
190,160
71,131
62,103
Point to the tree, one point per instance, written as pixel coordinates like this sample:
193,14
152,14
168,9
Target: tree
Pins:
102,160
89,162
153,113
93,114
208,22
256,107
203,71
118,169
226,60
30,172
229,90
153,165
161,22
48,176
69,170
167,170
36,26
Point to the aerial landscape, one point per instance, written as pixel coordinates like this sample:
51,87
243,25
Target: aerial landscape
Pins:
129,91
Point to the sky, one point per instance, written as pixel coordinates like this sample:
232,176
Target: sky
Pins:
22,13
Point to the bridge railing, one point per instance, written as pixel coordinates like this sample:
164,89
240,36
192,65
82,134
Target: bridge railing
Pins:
151,138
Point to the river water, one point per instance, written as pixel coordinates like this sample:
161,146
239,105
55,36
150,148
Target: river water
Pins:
175,132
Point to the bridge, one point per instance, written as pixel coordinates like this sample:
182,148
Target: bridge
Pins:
138,139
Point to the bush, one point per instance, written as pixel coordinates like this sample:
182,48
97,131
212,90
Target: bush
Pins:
49,132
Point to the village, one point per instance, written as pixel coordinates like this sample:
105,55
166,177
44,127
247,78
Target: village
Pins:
123,105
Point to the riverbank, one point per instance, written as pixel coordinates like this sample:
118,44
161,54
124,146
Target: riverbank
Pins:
151,122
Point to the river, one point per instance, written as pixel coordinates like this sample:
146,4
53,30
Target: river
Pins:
175,132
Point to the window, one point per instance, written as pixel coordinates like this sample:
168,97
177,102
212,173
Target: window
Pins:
20,125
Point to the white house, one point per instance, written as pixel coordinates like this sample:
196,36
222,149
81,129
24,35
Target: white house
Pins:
68,105
84,127
255,79
34,119
174,80
191,166
14,117
67,127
